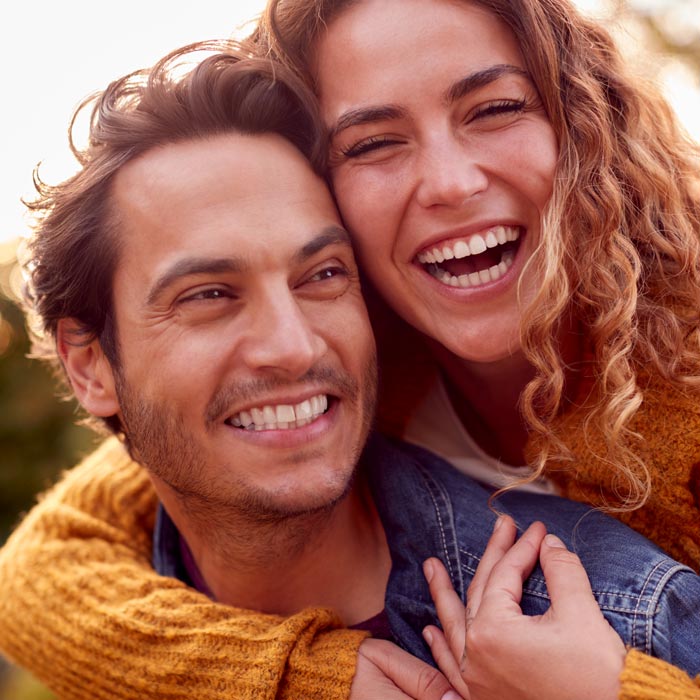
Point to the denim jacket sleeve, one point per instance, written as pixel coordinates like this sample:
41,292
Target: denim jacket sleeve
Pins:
676,623
429,509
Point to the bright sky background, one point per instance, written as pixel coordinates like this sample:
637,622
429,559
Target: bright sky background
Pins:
55,52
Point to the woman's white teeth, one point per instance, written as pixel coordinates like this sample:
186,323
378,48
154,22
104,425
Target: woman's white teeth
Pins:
474,245
282,416
474,279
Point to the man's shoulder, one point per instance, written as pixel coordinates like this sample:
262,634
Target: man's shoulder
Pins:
412,486
392,456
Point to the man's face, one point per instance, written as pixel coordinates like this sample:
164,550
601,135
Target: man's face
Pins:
247,363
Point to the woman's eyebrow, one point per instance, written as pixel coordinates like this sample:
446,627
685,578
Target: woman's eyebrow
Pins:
365,115
479,79
471,82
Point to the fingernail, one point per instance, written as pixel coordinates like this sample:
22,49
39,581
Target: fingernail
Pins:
554,541
451,695
428,636
428,570
499,522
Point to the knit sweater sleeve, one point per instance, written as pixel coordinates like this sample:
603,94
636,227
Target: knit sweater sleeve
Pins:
646,678
82,608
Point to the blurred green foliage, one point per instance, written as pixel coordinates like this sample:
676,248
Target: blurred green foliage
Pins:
38,439
22,686
38,433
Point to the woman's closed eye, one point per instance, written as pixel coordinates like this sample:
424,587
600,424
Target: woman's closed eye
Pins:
497,108
373,143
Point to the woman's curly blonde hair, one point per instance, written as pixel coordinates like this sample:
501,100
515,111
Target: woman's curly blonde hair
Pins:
620,248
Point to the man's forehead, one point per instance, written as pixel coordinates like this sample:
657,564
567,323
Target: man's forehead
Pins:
250,162
250,184
249,200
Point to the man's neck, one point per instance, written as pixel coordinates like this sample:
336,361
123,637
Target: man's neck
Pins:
336,558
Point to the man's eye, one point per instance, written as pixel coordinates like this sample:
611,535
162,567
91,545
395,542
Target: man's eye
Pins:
206,295
328,273
373,143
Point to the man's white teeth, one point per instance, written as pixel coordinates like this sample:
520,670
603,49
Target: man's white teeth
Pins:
474,279
474,245
282,416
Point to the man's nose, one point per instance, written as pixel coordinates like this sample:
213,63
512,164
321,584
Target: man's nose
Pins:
282,339
449,172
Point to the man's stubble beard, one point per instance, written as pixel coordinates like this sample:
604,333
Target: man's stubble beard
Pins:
224,513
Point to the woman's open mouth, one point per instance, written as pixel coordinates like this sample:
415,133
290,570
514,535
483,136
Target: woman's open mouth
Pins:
473,261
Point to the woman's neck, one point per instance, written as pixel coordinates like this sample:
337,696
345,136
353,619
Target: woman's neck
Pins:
486,395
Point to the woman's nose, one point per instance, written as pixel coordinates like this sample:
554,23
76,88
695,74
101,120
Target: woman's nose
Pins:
449,174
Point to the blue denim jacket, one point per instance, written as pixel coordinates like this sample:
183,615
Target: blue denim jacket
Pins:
430,509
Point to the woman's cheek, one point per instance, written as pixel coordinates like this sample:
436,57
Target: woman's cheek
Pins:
369,204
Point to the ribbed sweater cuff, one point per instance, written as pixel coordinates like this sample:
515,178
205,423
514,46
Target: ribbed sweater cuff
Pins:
646,678
324,669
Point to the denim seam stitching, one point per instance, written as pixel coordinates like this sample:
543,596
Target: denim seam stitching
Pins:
655,599
441,527
647,621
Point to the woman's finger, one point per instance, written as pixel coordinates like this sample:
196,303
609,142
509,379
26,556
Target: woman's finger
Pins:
567,582
451,667
449,606
501,541
504,588
386,671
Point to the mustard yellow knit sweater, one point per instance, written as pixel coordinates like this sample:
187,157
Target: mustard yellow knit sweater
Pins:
81,607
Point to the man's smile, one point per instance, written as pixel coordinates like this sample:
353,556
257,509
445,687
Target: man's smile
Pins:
281,416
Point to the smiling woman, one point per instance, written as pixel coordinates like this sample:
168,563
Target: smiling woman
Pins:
403,130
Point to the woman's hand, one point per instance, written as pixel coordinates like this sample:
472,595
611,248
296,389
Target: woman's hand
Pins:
492,651
386,672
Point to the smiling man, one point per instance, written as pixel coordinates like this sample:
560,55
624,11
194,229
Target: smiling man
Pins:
201,294
236,383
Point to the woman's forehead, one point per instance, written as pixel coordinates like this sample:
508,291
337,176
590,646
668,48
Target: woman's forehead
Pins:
379,48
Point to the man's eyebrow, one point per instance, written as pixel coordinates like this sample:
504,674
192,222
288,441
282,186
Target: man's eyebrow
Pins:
331,235
193,266
365,115
480,78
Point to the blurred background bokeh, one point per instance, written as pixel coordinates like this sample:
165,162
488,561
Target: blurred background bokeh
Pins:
38,433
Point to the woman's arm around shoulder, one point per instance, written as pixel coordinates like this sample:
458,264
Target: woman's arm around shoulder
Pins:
646,678
83,609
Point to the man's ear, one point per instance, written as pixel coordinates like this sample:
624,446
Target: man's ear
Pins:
88,370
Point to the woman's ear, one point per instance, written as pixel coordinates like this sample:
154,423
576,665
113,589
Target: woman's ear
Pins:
88,370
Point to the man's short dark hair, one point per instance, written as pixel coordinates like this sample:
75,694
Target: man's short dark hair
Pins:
75,247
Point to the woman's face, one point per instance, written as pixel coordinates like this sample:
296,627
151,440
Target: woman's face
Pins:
442,161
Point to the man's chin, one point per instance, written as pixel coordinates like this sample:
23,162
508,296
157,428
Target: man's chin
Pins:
299,503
